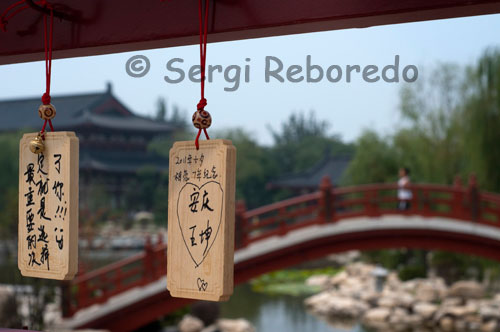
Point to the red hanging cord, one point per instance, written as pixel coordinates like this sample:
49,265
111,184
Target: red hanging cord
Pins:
203,59
203,51
48,41
15,9
5,17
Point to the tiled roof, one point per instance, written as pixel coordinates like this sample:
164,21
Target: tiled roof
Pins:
117,161
96,109
334,167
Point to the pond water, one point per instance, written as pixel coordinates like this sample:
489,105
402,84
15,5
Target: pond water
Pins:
268,313
276,313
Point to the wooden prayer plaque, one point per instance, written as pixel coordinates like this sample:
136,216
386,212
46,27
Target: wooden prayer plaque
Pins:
201,220
48,207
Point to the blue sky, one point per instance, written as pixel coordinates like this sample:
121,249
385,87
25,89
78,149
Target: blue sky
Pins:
348,107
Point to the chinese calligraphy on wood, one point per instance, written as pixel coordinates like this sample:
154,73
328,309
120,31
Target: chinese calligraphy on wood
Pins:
201,220
48,207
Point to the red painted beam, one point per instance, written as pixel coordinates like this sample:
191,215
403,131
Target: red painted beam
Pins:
112,26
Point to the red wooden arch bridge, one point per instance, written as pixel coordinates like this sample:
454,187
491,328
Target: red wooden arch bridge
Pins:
131,293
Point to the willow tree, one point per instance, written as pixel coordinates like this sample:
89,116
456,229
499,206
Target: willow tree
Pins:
428,138
430,141
482,120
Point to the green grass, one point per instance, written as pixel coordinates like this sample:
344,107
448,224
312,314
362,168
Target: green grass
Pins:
289,282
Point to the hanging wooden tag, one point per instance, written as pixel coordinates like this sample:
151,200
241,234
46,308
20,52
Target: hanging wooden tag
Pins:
201,220
48,206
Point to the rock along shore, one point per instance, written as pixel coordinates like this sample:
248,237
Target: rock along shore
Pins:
419,304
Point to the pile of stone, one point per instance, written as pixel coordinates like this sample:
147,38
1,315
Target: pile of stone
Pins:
191,323
16,306
401,306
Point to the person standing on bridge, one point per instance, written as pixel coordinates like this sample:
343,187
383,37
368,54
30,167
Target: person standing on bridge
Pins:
404,193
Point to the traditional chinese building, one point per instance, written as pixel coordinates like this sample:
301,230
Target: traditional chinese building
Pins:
113,140
309,180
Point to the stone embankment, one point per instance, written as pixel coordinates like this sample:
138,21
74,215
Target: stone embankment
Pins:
419,304
193,324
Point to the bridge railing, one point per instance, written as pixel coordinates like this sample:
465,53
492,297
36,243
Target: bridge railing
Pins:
487,210
332,204
279,218
327,205
376,200
99,285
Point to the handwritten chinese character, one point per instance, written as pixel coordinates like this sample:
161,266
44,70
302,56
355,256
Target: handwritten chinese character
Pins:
30,173
57,187
29,220
32,259
205,234
205,202
29,196
194,201
41,158
44,256
193,240
178,176
42,237
41,210
31,239
57,162
43,187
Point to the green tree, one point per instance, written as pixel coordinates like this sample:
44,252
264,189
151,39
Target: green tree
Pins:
482,120
450,125
9,159
374,161
179,118
139,193
303,141
181,131
161,111
254,168
430,141
160,199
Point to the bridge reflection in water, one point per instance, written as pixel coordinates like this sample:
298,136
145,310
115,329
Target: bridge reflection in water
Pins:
131,293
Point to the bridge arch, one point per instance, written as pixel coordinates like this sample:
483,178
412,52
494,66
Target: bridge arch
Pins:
293,231
366,233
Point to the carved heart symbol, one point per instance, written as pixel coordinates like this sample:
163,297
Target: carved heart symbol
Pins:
199,215
202,284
